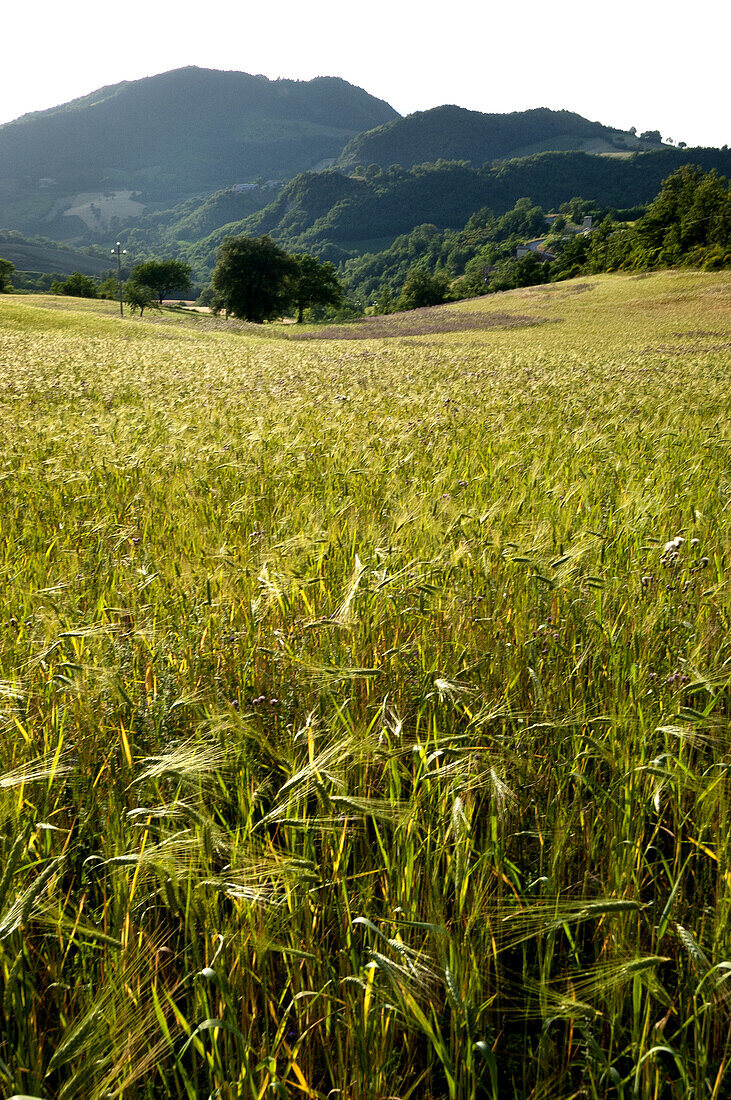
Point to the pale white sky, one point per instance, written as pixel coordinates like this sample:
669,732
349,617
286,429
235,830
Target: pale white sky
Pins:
646,63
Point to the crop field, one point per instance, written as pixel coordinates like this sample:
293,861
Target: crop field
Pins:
365,702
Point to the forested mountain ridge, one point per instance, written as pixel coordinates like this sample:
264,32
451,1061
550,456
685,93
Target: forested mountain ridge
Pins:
167,137
454,133
337,216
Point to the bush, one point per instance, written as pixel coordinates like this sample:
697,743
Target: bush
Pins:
77,286
109,289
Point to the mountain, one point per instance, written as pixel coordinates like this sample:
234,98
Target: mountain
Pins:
338,216
93,164
453,133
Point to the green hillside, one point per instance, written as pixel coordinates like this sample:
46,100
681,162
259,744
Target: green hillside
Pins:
170,136
453,133
331,214
45,256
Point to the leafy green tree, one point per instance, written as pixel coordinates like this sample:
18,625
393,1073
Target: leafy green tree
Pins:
163,276
384,302
140,297
524,220
531,270
6,270
252,279
421,288
313,283
77,286
576,209
692,213
571,255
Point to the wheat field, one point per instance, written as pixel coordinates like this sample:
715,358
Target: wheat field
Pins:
365,701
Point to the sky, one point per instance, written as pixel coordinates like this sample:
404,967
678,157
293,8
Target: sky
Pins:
643,63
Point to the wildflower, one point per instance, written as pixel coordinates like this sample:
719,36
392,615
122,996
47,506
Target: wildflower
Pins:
673,546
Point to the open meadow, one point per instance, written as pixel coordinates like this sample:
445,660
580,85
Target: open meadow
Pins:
365,702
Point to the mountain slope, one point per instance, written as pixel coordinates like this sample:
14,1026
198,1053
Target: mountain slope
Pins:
183,132
40,255
337,216
453,133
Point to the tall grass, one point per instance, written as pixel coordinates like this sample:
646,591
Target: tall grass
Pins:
365,705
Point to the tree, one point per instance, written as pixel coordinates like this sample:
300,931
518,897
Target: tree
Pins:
421,288
77,286
6,270
313,283
252,279
139,297
163,276
692,211
384,302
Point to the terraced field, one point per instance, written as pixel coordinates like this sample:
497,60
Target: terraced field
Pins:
365,702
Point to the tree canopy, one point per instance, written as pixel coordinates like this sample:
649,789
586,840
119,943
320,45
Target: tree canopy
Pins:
313,283
163,276
421,288
251,279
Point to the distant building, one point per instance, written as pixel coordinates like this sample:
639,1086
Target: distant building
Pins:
534,247
587,226
530,246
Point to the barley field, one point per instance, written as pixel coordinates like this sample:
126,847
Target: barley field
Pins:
365,701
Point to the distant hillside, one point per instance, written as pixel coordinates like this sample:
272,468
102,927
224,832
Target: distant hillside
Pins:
338,216
40,255
453,133
166,137
189,221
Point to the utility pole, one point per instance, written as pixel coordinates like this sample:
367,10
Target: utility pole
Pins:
118,251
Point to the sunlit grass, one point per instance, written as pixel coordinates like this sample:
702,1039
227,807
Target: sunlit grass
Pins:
360,730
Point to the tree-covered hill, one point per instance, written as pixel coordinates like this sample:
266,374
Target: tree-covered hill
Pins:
336,216
173,135
453,133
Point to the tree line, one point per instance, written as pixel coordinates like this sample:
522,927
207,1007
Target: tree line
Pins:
254,280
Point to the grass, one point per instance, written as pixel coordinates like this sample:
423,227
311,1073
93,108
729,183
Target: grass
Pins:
365,718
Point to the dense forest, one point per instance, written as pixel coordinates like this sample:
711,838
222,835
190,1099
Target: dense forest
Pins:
339,217
176,135
688,223
453,133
